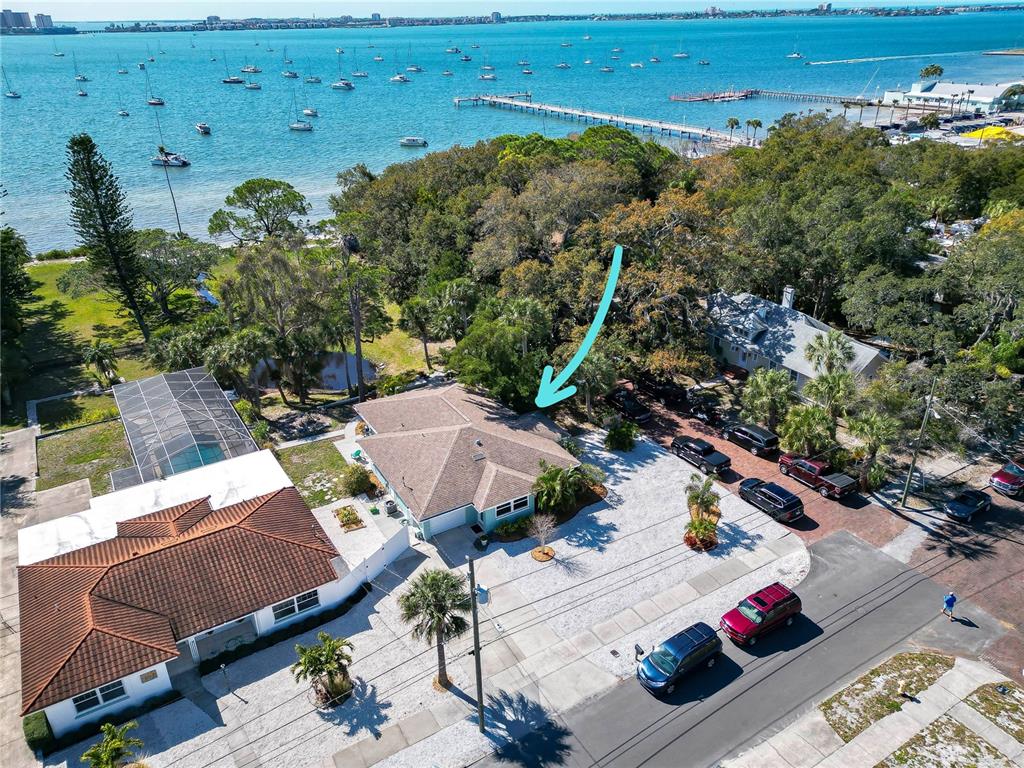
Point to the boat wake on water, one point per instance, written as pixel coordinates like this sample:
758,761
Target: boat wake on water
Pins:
891,58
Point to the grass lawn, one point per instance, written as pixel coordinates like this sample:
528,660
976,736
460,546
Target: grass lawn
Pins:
316,469
75,411
946,742
90,452
875,694
397,351
1004,709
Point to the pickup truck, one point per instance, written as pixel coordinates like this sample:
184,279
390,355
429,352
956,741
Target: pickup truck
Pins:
701,454
816,474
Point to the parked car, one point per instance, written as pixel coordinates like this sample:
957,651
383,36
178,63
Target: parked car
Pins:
701,454
735,372
626,403
817,474
779,503
757,440
665,392
767,609
661,670
1009,480
967,504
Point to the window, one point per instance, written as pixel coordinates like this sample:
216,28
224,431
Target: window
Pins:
294,605
522,503
503,509
102,695
512,506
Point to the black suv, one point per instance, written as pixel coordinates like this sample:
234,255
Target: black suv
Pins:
625,402
661,669
780,504
701,454
757,440
665,392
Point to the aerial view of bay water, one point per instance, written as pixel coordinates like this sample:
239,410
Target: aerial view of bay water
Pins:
622,67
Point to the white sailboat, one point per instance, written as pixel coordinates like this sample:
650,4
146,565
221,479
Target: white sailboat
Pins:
78,75
58,54
10,93
299,124
153,101
291,74
228,78
120,69
358,72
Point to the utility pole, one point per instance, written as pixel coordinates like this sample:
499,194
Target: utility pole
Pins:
476,650
917,445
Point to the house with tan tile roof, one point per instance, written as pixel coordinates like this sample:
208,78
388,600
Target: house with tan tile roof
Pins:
453,457
115,623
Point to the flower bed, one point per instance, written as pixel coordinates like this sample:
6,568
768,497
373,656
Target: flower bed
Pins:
349,518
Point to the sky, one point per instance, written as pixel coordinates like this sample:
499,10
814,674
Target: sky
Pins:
160,10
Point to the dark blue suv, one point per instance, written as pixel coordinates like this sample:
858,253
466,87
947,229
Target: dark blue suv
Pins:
696,646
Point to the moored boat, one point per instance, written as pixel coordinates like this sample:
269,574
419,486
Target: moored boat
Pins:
203,128
342,85
400,78
169,159
413,141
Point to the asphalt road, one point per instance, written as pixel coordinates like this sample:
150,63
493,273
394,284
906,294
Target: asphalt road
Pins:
859,605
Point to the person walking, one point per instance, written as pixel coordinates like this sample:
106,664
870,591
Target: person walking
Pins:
947,605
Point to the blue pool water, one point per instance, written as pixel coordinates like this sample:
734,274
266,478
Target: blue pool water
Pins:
250,128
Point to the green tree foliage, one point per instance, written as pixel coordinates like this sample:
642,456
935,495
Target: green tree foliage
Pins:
621,436
807,430
931,72
116,749
263,208
103,222
878,432
417,319
325,665
767,395
829,352
15,284
558,488
436,605
101,356
833,392
701,497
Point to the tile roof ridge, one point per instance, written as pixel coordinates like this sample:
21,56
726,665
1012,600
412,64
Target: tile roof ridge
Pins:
137,641
57,670
326,548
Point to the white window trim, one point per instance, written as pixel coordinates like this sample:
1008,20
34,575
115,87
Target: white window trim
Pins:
293,604
101,701
515,505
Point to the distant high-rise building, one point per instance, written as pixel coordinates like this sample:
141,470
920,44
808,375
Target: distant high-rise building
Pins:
825,7
495,17
7,19
212,19
44,21
22,19
374,17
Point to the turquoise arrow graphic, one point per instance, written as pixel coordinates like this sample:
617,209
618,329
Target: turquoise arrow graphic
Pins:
552,390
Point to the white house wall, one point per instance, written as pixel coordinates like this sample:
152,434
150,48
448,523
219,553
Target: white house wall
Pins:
63,717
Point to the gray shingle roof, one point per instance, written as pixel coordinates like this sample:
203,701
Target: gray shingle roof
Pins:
778,333
443,448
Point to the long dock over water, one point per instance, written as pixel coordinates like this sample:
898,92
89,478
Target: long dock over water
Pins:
523,102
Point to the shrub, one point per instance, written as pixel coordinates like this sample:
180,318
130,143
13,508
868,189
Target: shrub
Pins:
356,479
38,735
621,436
517,527
261,434
571,446
389,385
79,252
877,476
349,518
245,411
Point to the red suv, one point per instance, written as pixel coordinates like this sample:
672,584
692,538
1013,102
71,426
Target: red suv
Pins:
761,612
1010,479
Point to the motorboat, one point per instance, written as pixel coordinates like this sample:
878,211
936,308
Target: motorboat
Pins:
607,69
155,101
447,73
310,112
562,65
170,159
300,125
251,69
142,65
400,78
342,85
378,57
794,55
465,57
616,50
252,85
414,68
586,37
339,50
291,74
654,60
312,79
453,49
567,45
203,128
527,71
81,93
413,141
122,112
587,61
637,65
488,76
703,62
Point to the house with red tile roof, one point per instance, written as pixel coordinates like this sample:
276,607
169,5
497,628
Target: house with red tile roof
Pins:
453,457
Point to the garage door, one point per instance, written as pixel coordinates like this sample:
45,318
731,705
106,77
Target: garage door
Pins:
449,520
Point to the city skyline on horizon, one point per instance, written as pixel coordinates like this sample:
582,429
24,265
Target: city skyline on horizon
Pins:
182,10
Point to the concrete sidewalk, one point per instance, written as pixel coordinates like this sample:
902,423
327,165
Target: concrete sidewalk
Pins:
810,741
531,674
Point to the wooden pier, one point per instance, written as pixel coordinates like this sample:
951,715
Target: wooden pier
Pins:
522,102
826,98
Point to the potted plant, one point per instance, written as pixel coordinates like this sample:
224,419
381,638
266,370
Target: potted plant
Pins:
702,499
325,666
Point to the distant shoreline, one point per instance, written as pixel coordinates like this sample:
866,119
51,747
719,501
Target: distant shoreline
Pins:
1007,52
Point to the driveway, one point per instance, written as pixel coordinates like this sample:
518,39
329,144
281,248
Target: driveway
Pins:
859,606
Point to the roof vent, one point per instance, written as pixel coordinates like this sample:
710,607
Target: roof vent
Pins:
479,457
479,443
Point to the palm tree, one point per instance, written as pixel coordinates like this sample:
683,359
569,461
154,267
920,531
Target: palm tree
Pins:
417,316
453,307
595,376
833,392
807,430
931,71
846,106
930,121
101,355
767,395
732,124
878,431
829,352
325,665
755,124
557,488
116,750
748,124
701,498
436,604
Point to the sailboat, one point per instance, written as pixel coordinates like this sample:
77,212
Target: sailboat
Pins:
160,48
311,79
251,69
378,57
153,101
121,111
341,84
400,78
358,72
289,73
285,53
10,93
57,53
120,70
796,51
299,124
149,54
78,75
680,53
252,85
230,79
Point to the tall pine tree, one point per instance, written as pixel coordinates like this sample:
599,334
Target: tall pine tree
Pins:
103,221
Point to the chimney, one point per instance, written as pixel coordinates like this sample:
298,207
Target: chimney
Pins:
788,294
